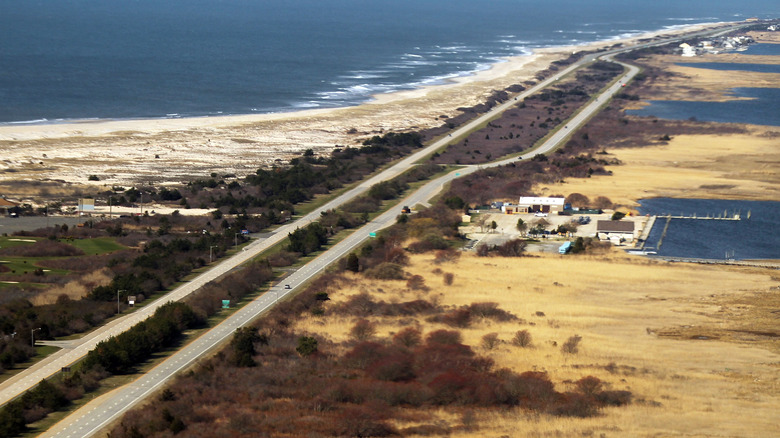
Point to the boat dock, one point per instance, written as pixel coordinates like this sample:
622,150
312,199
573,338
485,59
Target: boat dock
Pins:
652,219
735,217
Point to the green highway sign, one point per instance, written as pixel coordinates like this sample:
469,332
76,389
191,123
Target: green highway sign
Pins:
371,234
225,304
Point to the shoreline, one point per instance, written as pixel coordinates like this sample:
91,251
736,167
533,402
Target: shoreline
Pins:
496,70
56,159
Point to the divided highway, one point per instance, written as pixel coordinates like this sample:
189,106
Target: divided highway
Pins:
16,385
97,414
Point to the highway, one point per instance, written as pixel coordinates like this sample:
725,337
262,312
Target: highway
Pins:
16,385
97,414
93,417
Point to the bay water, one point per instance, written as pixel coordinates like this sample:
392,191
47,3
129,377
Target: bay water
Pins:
751,237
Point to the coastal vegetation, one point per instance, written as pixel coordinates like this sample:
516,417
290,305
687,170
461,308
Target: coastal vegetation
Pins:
361,345
521,127
516,336
395,364
262,199
122,354
565,325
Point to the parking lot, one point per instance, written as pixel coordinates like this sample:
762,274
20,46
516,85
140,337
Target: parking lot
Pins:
506,228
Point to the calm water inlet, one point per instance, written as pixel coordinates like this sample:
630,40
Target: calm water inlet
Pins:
754,236
760,108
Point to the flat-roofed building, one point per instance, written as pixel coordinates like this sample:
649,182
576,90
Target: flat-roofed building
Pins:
530,204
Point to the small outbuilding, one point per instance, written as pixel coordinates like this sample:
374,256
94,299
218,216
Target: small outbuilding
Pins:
616,232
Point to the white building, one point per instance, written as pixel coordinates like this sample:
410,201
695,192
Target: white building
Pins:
532,204
688,50
616,232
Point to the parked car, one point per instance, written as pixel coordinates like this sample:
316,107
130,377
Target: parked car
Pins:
540,214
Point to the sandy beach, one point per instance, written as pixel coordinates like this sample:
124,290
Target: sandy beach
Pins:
55,159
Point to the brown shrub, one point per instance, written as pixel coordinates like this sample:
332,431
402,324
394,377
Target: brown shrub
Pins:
408,337
416,282
396,255
446,255
455,318
532,389
490,310
571,346
363,421
445,337
589,386
578,200
397,366
448,278
364,354
282,258
575,405
511,248
363,330
490,341
522,338
614,398
602,202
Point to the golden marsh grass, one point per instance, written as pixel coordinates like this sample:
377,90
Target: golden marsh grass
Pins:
634,317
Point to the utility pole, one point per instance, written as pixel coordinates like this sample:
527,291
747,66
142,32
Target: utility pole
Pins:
211,253
117,299
32,336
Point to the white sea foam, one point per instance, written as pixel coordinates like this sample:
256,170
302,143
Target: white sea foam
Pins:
309,104
27,122
693,19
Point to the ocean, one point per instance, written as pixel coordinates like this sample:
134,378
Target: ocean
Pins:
120,59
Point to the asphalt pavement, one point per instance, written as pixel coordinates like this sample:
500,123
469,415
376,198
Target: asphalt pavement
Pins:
94,416
91,418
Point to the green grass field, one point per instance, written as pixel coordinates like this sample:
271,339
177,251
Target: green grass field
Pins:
19,266
95,246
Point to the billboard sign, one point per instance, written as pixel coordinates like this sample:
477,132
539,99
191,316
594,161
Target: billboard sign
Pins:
86,204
